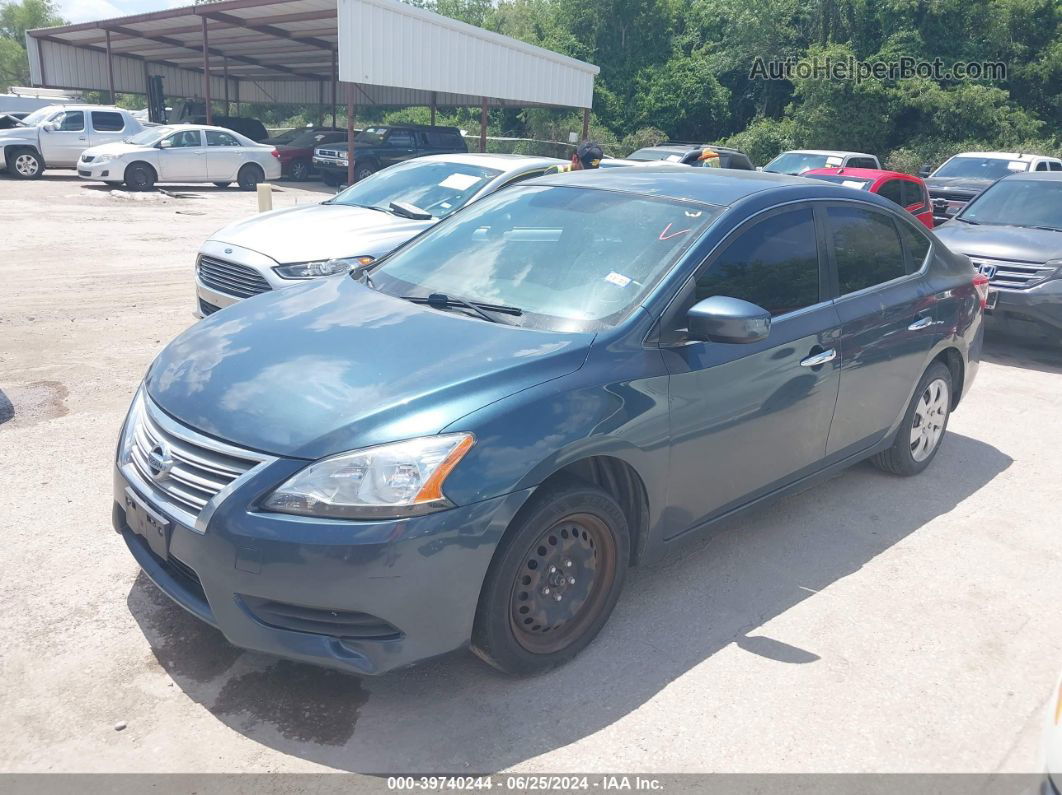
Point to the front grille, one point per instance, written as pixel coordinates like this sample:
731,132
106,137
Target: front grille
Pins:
320,621
207,308
87,158
1012,275
199,468
333,153
231,278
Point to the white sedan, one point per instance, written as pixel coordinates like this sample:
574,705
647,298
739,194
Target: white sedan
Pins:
181,153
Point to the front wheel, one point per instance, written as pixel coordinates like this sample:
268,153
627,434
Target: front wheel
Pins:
140,177
554,580
249,176
363,172
331,180
922,430
25,163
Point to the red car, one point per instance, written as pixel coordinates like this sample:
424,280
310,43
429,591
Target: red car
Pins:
907,191
295,148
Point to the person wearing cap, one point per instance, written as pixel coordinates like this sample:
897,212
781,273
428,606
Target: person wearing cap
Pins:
708,158
587,155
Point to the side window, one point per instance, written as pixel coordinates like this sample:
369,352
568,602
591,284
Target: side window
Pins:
1041,166
917,246
774,264
866,248
423,140
107,121
892,190
218,138
72,121
861,162
1056,166
912,193
185,138
401,139
521,177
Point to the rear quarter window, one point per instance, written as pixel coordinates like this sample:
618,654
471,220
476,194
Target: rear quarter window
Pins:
107,121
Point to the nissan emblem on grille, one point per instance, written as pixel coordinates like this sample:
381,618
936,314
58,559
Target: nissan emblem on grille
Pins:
160,462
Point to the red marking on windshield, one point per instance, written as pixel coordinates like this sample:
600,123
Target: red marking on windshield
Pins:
665,236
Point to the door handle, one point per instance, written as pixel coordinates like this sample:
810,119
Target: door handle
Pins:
924,322
819,358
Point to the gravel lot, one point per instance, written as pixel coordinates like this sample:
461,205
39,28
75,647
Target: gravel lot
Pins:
869,624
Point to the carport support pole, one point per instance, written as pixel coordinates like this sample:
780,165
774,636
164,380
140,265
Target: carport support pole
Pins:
586,124
333,88
225,68
206,74
350,133
433,100
483,126
110,66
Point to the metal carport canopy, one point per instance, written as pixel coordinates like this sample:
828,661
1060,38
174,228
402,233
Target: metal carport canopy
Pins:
285,51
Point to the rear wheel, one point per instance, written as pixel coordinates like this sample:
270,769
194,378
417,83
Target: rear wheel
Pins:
140,177
25,163
554,580
300,170
922,430
249,176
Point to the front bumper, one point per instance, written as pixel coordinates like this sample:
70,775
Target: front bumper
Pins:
209,298
421,576
106,172
335,168
1034,312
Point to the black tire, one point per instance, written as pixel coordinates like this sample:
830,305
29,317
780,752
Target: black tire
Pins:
300,170
908,455
362,172
25,162
249,176
222,184
140,177
571,540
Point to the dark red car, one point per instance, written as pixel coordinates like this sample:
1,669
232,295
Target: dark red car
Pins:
295,148
907,191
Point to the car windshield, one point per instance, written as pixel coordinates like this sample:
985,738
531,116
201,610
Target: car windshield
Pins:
151,135
371,136
40,115
436,187
799,162
1018,202
980,167
572,259
841,179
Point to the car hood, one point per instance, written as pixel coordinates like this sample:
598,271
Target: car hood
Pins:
332,365
19,133
116,148
320,231
1017,243
963,184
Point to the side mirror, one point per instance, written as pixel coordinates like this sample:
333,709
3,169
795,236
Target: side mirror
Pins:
50,126
165,144
724,319
925,170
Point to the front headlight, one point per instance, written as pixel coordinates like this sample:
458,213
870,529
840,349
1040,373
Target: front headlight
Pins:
101,159
388,481
311,270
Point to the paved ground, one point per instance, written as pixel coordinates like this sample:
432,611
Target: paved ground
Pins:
870,624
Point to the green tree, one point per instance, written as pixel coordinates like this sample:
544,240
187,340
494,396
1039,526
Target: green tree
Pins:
15,19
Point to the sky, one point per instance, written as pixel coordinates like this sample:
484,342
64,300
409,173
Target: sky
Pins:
91,10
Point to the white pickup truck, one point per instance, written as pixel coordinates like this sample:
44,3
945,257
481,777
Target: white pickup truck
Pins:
55,137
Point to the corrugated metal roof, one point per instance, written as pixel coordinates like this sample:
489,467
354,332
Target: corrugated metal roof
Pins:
282,51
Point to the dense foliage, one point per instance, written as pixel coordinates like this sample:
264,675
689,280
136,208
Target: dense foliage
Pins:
15,19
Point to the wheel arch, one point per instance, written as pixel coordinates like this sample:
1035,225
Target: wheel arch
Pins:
128,166
952,359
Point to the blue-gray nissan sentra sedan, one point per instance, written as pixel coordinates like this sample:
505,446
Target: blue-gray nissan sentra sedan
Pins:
468,443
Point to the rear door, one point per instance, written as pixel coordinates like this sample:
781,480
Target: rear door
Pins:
746,419
185,158
225,155
107,126
888,319
64,145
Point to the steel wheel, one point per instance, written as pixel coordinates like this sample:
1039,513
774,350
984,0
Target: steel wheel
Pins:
930,416
563,583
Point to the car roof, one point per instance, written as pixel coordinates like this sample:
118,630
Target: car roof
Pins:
860,173
502,162
718,186
87,107
1049,176
838,152
691,148
1005,156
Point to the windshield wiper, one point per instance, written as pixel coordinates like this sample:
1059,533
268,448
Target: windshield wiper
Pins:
1048,228
443,301
411,211
967,221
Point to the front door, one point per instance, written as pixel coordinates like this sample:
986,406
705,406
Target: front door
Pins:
184,158
399,146
747,418
888,319
63,145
